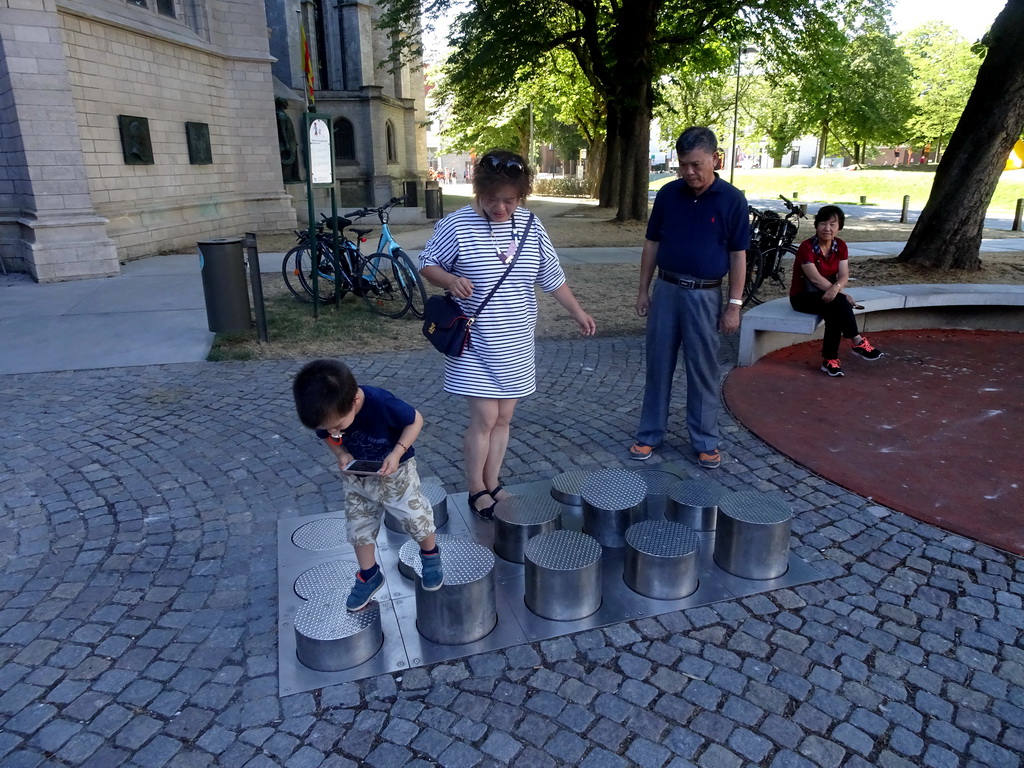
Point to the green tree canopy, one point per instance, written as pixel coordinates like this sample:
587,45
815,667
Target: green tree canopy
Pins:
944,71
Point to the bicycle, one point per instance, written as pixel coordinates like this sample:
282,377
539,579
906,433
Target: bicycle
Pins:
372,278
409,280
771,240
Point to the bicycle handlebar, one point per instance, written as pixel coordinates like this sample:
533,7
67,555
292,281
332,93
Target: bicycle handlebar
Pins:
792,208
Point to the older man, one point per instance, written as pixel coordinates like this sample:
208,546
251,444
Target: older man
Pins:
699,230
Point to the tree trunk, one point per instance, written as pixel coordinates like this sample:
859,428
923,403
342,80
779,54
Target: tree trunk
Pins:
948,234
822,144
630,107
777,162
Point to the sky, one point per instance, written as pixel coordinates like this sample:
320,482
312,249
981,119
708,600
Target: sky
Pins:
969,17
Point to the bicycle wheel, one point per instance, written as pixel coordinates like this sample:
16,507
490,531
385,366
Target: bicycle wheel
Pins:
290,273
754,277
328,268
411,283
380,279
773,263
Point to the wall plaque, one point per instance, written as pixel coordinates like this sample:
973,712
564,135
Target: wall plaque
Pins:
135,143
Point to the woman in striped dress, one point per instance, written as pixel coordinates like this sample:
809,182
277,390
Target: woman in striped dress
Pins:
466,256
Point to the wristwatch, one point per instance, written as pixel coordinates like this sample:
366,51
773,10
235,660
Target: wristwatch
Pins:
737,302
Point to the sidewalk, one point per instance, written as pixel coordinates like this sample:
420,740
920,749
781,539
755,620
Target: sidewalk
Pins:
154,313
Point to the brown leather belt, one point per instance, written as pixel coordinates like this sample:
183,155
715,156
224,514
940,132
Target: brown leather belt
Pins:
686,282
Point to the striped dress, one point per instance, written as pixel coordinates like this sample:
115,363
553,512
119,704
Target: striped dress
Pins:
499,361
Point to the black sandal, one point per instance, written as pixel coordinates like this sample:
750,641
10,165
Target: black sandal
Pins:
486,513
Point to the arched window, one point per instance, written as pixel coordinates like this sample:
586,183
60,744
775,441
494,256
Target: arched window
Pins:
392,143
344,140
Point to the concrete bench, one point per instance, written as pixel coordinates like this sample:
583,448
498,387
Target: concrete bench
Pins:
775,324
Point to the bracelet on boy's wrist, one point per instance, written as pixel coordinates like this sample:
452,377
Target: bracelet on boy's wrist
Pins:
403,445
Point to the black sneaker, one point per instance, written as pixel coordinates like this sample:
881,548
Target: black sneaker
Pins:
865,350
832,368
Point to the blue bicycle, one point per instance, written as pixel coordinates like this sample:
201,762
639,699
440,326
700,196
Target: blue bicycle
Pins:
406,276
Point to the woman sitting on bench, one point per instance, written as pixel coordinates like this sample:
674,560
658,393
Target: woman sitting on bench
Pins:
819,276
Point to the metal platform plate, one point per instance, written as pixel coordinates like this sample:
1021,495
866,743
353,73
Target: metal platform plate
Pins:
568,486
662,538
321,535
658,481
327,619
462,560
614,489
528,510
562,550
327,579
697,492
404,646
754,508
409,564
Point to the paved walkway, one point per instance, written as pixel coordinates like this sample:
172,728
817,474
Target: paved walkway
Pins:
138,615
154,312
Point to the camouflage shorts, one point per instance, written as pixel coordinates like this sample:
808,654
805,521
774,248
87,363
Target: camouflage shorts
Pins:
366,498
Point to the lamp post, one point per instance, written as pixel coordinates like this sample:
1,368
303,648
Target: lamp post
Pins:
736,108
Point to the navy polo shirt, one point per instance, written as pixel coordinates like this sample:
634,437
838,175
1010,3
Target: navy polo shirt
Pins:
696,233
377,428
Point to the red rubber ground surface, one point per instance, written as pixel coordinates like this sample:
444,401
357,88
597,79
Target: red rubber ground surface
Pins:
931,429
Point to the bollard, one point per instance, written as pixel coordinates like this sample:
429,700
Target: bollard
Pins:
906,209
803,209
256,282
1018,215
796,196
863,199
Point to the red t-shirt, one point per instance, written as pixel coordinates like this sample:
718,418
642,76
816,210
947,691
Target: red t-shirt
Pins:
827,263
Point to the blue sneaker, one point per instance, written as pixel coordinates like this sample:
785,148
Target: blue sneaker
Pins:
433,576
364,591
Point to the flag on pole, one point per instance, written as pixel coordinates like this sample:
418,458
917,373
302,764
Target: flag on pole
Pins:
307,66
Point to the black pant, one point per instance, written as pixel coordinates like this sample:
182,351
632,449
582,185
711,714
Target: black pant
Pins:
837,314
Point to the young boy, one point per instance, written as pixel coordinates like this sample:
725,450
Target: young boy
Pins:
371,424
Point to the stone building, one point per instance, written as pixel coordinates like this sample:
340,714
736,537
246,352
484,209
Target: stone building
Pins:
130,127
378,115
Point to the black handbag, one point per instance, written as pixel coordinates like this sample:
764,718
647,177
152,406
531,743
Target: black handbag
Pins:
446,326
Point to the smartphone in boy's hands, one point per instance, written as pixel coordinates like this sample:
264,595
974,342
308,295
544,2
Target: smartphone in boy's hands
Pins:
363,467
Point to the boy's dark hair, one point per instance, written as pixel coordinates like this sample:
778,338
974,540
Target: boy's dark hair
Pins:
323,389
491,174
826,212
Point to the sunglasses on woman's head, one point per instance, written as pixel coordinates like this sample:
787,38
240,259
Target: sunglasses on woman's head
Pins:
511,168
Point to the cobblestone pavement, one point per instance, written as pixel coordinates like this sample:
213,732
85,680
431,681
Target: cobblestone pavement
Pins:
138,598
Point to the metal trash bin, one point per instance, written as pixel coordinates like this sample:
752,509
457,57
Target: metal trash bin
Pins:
752,540
563,575
661,560
224,286
410,192
434,202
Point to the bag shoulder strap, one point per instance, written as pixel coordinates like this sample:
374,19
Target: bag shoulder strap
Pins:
522,242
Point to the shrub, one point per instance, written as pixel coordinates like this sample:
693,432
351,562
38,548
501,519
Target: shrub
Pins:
568,186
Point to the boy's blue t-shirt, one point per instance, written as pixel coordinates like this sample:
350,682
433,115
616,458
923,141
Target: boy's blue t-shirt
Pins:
377,427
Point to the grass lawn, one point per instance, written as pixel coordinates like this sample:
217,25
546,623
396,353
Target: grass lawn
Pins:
881,186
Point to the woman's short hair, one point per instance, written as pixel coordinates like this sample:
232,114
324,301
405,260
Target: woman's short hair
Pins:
499,168
826,212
